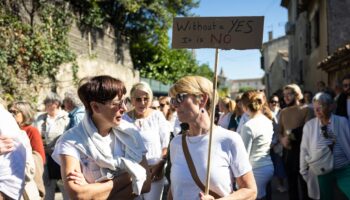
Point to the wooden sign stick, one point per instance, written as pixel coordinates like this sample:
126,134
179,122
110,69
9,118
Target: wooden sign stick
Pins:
212,120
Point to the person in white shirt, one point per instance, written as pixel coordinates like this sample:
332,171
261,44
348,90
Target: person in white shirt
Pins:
15,157
52,125
155,132
193,97
103,157
331,133
257,136
227,108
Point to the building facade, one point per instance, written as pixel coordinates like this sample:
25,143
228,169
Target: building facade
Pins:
315,30
274,61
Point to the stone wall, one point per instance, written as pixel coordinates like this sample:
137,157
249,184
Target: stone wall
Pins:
101,60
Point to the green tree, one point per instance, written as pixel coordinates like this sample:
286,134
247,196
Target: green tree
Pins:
245,89
31,52
144,24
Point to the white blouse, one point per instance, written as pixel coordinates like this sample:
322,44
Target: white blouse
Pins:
155,132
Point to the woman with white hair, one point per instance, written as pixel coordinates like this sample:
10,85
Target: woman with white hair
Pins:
52,125
155,132
326,136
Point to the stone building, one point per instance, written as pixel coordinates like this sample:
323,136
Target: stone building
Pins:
252,83
315,30
274,61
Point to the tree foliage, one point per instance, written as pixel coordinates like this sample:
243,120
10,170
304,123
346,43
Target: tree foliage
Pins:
144,24
31,50
34,38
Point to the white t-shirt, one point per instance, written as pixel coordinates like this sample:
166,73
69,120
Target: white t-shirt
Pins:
12,164
224,120
257,136
90,169
155,133
229,159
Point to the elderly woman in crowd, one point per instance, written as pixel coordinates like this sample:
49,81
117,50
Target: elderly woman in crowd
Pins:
52,125
23,113
24,116
155,132
192,97
326,136
257,136
103,156
74,107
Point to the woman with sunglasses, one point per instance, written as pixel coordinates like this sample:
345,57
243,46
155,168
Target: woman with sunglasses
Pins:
23,113
276,151
155,132
24,116
192,97
103,156
329,133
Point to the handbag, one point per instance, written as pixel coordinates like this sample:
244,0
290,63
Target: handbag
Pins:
321,162
192,168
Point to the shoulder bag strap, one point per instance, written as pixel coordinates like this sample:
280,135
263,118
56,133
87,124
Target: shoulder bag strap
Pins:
193,169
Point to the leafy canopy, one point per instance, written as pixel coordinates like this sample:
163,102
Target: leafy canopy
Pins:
144,24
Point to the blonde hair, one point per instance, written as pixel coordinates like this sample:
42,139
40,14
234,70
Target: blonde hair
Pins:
228,103
256,101
295,89
143,86
195,85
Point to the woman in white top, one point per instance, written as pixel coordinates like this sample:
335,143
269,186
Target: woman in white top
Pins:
52,125
155,132
192,97
257,135
103,156
227,108
330,133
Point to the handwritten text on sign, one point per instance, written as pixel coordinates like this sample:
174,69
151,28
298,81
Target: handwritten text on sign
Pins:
218,32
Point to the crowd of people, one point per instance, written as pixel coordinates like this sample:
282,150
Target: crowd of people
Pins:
104,142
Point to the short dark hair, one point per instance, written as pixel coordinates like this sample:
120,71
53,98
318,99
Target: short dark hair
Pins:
100,89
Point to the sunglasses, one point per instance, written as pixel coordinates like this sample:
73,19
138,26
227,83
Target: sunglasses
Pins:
163,104
179,98
324,131
119,103
274,102
140,99
14,112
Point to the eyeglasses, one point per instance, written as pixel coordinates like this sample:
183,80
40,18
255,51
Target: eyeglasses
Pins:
274,102
163,104
14,112
120,103
140,99
288,94
179,98
155,107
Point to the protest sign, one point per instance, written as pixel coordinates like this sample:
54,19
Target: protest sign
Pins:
218,32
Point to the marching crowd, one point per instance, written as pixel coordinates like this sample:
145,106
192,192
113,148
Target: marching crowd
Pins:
104,142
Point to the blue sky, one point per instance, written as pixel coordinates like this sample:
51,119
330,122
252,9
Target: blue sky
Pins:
241,64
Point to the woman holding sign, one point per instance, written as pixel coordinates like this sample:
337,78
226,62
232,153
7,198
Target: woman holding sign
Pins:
192,97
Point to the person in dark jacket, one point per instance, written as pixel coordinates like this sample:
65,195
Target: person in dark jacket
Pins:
343,102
